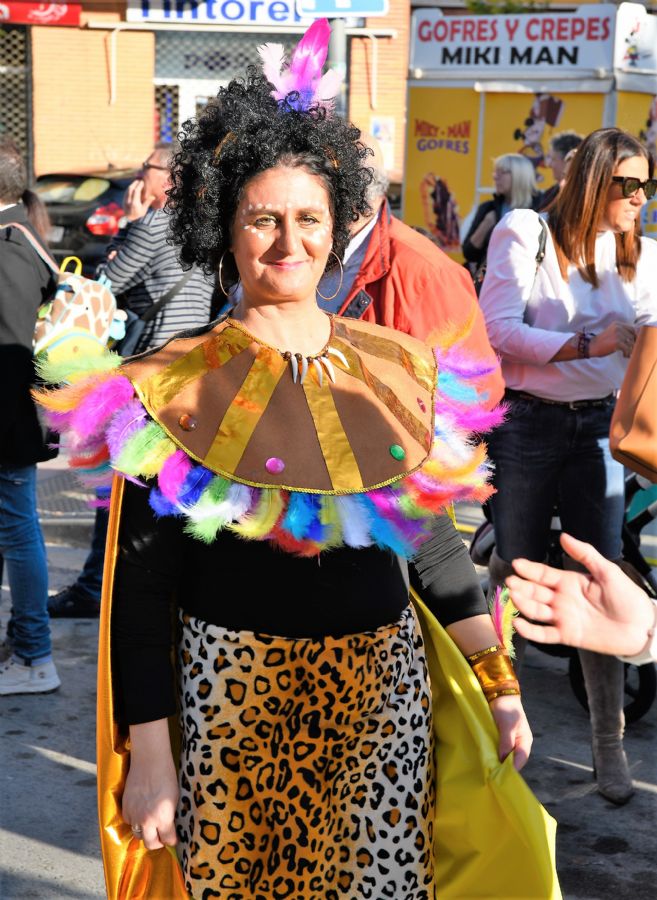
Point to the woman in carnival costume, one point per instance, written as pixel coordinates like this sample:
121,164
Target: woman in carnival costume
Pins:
271,473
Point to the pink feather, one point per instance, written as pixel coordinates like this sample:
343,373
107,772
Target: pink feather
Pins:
99,404
273,58
304,73
497,613
310,55
173,473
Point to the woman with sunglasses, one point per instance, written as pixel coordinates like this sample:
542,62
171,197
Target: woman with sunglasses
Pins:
564,328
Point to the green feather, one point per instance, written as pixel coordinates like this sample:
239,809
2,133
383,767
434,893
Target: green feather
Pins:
64,371
207,527
143,450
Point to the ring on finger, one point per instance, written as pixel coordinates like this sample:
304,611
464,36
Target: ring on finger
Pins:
137,829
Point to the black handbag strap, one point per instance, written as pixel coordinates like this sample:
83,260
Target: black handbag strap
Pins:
542,241
153,310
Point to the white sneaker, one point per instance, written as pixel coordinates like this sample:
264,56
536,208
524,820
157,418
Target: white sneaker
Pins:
19,679
6,650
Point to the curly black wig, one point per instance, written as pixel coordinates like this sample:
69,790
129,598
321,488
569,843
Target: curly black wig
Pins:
244,132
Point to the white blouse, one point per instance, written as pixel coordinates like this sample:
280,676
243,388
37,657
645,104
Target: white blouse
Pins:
531,314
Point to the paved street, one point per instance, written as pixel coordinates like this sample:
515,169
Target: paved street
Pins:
48,840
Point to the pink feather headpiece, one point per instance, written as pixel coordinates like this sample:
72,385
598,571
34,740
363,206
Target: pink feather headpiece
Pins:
303,75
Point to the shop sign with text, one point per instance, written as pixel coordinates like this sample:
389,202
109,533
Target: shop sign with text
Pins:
21,13
549,42
260,13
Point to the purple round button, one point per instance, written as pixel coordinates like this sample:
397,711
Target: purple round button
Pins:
274,465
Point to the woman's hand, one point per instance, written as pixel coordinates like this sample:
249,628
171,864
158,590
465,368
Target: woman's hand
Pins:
512,724
151,789
617,336
604,612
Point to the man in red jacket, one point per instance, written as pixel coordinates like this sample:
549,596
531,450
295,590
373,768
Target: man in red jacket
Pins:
396,277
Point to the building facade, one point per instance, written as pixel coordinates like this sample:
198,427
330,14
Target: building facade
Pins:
96,83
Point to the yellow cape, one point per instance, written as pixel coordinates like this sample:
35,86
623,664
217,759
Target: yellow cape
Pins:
492,838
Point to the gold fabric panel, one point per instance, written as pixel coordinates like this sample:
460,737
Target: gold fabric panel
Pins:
338,455
248,405
230,403
161,388
416,429
421,370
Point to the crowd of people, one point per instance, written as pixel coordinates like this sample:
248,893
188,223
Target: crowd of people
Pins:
305,758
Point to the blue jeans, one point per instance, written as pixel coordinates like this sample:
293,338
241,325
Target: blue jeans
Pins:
552,456
24,554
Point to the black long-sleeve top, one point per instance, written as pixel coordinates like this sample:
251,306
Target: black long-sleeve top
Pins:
251,585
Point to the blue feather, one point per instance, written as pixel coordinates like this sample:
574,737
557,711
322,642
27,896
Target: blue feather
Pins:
160,505
300,513
384,533
196,481
454,387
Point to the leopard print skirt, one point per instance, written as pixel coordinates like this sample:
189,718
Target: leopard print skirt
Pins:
306,765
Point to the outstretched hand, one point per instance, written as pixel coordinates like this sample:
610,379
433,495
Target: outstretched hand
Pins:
604,611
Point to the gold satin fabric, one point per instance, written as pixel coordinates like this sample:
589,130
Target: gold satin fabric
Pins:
131,871
336,449
246,410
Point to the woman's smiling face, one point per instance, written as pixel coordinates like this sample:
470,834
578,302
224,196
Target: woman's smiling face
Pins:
282,234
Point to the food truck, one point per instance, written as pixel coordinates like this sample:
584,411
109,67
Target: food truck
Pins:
484,85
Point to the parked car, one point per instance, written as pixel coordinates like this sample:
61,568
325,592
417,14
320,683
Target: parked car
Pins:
85,212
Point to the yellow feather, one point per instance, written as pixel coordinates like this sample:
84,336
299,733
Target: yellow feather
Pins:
260,522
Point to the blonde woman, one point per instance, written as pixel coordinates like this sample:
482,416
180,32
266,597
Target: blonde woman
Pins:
515,188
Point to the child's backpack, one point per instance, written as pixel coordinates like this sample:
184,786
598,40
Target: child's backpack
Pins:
80,317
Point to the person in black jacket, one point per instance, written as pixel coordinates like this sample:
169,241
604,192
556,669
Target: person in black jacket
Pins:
25,282
515,188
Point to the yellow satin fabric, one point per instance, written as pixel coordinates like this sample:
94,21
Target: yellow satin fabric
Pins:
492,837
245,411
408,421
419,369
160,389
336,449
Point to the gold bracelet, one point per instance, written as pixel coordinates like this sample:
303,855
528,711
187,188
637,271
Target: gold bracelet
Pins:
494,672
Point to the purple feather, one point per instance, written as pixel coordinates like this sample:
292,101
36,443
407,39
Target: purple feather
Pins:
125,423
387,506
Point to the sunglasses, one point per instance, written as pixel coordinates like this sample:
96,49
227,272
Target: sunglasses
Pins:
630,186
145,166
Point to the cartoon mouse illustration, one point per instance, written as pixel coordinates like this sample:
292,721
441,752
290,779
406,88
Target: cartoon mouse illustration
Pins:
649,135
545,110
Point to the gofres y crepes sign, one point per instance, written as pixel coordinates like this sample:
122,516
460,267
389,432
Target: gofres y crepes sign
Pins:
549,42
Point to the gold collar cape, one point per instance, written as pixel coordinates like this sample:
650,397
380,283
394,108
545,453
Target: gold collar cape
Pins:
224,436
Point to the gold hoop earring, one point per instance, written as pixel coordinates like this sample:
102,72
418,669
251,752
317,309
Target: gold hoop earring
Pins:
333,296
225,292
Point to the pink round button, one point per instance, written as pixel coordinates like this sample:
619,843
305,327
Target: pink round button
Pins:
422,404
274,465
